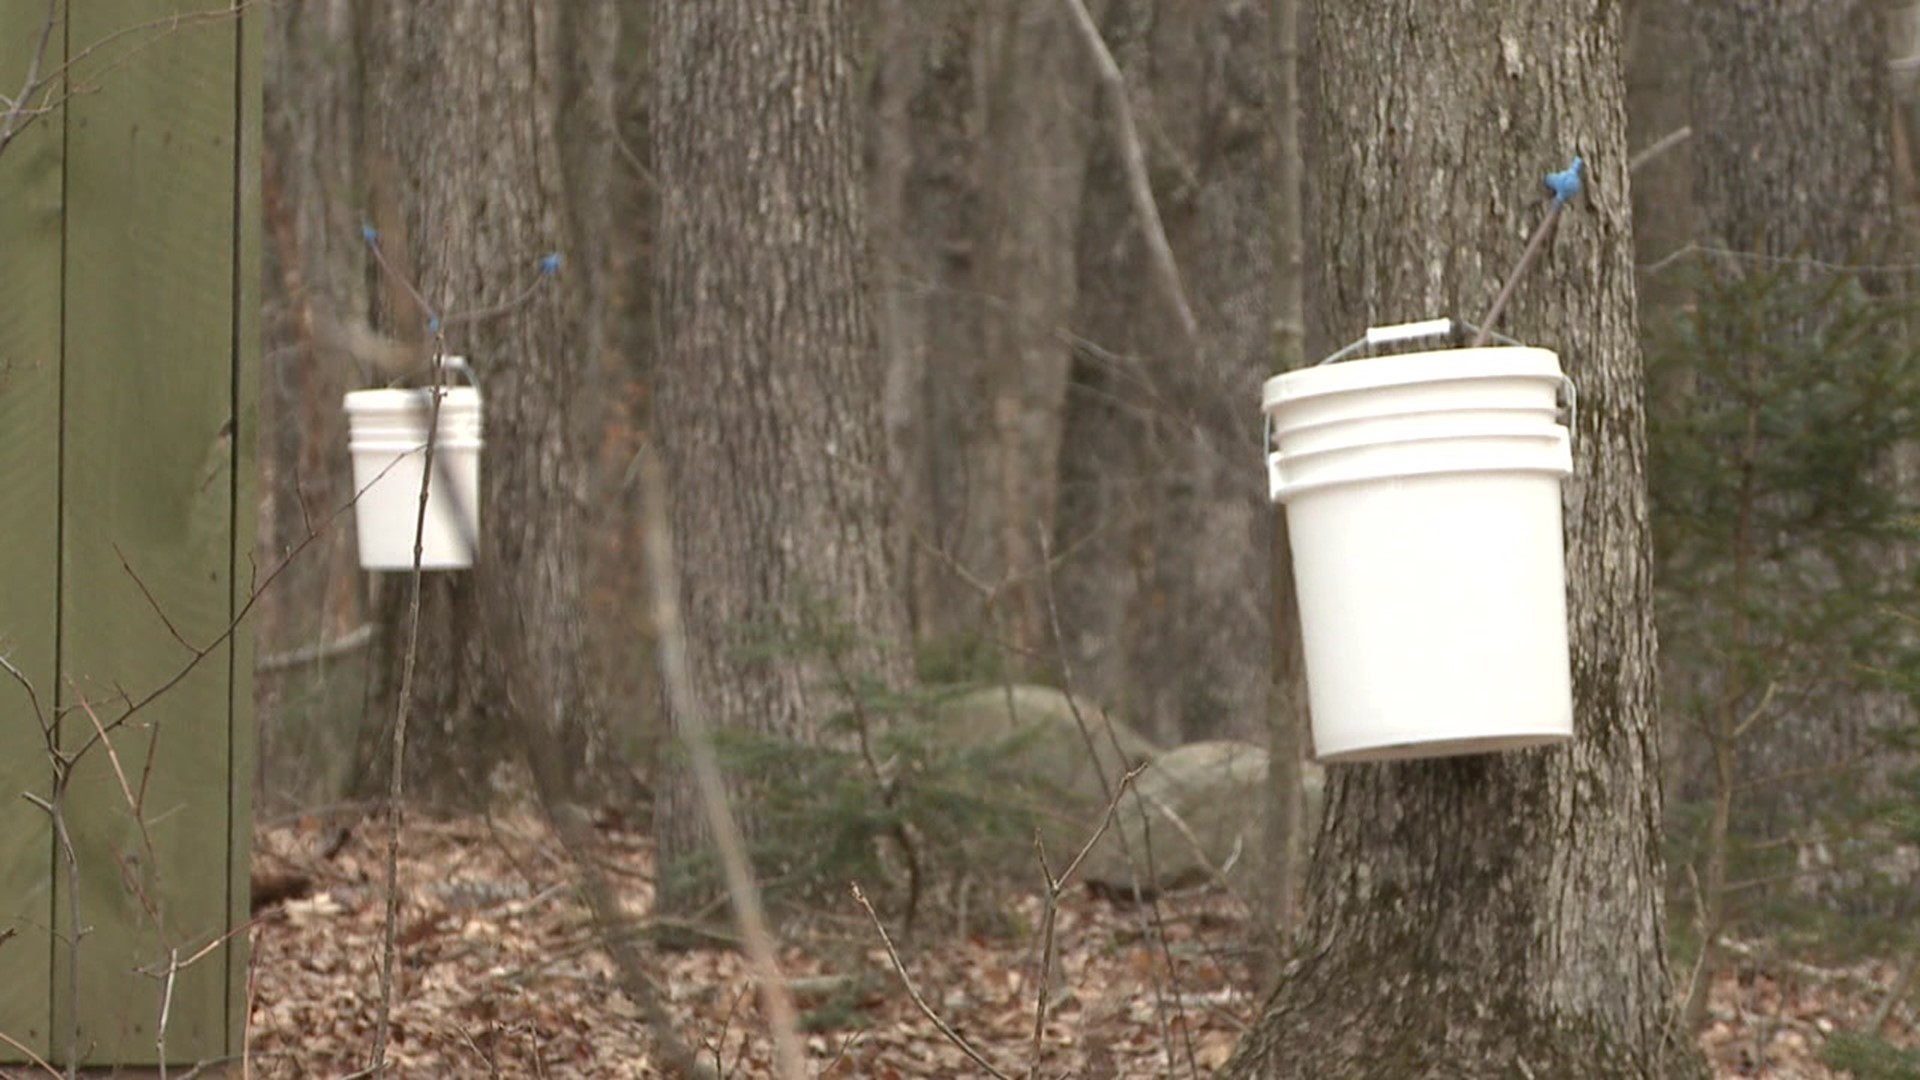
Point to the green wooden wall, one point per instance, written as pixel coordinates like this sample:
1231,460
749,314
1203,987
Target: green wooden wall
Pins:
129,304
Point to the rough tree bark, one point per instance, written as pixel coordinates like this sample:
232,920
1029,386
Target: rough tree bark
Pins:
316,273
768,405
1792,151
1039,98
483,137
1284,812
1494,915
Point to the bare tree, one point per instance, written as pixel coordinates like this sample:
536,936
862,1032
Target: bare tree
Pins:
484,151
1493,915
768,405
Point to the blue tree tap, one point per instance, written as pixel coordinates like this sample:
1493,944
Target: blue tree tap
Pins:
1565,184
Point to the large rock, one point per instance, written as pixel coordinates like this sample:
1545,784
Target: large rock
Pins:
1031,740
1200,805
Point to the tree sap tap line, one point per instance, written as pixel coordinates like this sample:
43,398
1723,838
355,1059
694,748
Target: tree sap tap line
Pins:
1564,184
403,360
414,359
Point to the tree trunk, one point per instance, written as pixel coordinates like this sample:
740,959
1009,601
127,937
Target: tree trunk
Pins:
316,272
1162,518
1040,99
1793,144
768,405
486,152
1495,915
1284,817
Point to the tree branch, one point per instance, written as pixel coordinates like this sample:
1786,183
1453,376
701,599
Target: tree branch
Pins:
691,723
1158,249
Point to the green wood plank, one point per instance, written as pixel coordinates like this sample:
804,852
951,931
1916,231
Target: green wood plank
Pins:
148,472
29,535
246,403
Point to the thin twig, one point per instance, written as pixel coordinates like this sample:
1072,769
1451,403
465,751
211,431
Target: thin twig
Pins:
166,1011
863,724
379,256
691,723
350,642
1753,715
132,876
12,124
1659,146
1145,900
1690,249
1052,911
926,1010
396,773
20,116
154,603
232,627
1903,979
27,1051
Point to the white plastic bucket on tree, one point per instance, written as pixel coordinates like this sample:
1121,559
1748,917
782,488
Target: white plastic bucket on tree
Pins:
1422,496
387,436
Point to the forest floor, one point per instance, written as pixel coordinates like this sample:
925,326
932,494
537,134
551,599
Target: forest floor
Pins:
499,976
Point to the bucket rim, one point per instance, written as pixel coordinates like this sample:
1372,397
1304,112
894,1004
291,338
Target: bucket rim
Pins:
416,444
404,401
1410,370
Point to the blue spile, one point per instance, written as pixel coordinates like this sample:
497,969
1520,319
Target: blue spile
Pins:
550,264
370,234
433,324
1565,184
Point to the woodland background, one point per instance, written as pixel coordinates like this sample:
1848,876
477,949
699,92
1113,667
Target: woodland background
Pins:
1073,470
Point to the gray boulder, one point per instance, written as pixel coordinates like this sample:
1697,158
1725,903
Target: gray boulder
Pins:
1033,743
1200,805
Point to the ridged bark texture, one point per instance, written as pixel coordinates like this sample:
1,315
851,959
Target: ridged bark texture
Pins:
1494,915
1793,141
483,138
768,404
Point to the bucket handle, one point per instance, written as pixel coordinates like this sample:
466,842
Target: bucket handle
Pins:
1459,331
457,365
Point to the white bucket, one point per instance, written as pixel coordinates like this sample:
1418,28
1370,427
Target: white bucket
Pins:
1423,502
387,436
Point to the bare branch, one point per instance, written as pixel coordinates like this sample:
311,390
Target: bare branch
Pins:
27,1051
1161,252
350,642
913,993
396,773
1148,901
12,123
21,115
46,728
692,725
152,602
1051,917
1659,146
1753,715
